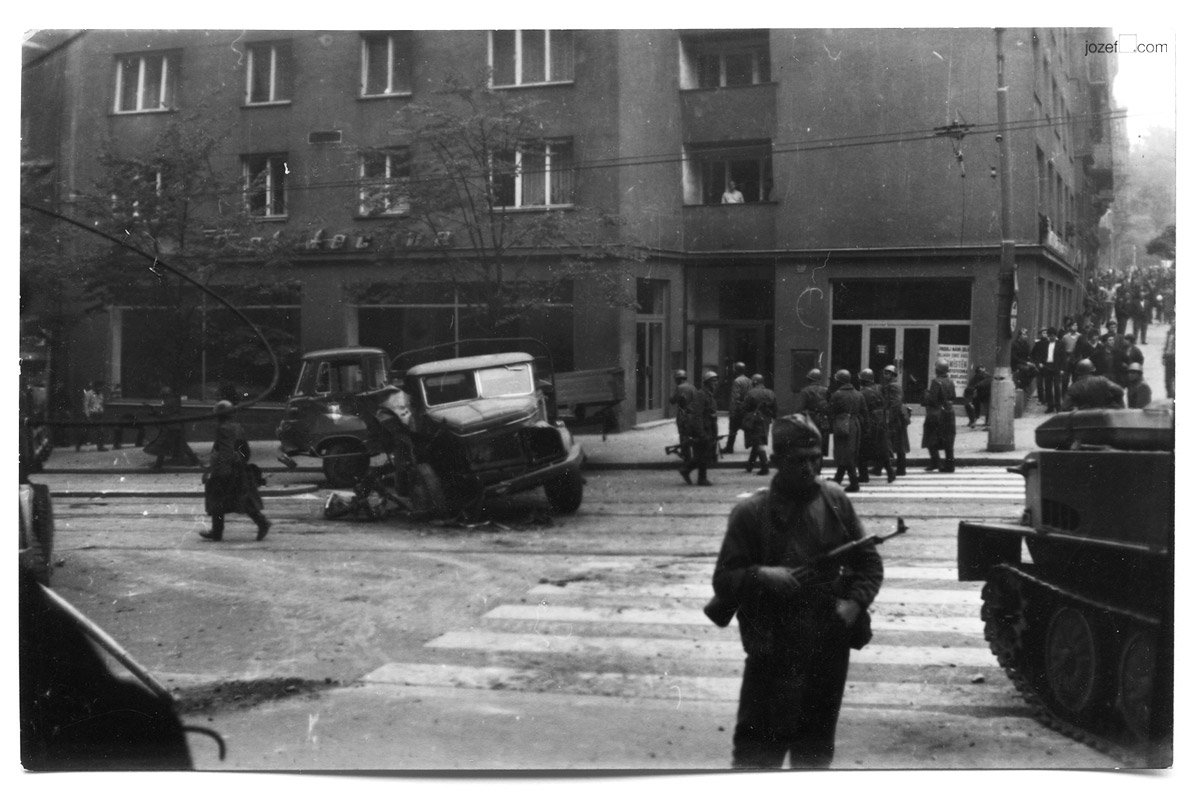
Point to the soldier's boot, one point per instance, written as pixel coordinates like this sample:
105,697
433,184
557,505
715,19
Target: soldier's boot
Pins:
901,465
863,475
853,487
837,476
686,472
702,477
948,463
214,533
891,471
934,463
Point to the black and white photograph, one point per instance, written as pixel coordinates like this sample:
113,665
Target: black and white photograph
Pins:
657,398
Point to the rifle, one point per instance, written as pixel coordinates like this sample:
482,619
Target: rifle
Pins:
722,611
677,449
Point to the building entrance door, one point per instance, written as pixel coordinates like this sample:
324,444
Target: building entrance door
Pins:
720,346
650,366
906,346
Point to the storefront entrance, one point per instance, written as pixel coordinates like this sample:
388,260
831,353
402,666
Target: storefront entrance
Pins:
719,346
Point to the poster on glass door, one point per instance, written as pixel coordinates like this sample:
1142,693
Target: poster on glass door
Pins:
958,357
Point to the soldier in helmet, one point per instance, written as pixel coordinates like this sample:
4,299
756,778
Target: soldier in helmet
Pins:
684,400
231,483
813,400
876,448
701,430
848,411
898,417
1091,390
797,649
759,411
737,399
939,431
1136,390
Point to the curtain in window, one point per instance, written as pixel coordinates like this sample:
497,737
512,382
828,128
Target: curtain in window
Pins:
533,177
562,173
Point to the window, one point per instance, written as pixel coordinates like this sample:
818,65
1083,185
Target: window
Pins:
265,179
386,68
136,195
269,72
708,170
146,82
725,59
384,181
519,58
537,175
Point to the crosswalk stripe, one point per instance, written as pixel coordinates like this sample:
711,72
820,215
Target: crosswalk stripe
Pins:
888,594
647,648
682,688
544,612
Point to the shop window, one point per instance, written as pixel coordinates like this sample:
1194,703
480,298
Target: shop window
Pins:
901,299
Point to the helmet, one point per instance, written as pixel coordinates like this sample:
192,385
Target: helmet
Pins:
739,366
222,408
842,376
756,378
814,375
709,375
941,367
890,369
680,375
1085,367
795,433
866,376
1134,367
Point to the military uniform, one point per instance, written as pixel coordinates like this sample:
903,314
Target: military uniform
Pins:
1094,391
897,421
846,405
758,412
797,643
940,424
684,400
876,448
737,399
700,429
813,400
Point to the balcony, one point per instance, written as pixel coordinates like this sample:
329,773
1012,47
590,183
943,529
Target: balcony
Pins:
722,114
742,226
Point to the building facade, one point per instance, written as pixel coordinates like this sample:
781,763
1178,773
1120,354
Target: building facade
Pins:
867,232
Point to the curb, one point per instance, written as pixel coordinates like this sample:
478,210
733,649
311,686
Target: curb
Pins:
119,493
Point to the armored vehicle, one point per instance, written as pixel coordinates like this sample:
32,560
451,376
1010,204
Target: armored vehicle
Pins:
1078,594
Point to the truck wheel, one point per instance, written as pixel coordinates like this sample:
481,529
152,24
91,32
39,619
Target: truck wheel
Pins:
565,493
428,497
345,464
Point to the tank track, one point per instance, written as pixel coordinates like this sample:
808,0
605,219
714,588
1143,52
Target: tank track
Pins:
1015,612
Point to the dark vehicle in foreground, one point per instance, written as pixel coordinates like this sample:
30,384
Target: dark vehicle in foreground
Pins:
1085,627
454,431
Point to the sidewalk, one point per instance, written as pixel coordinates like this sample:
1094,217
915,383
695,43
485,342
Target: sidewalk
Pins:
126,472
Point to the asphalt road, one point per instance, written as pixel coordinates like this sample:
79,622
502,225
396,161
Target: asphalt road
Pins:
532,642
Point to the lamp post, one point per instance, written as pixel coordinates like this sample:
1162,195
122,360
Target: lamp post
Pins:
1000,428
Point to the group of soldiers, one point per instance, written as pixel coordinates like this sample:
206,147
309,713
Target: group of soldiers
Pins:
868,424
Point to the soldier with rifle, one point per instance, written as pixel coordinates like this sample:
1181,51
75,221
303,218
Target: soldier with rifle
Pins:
797,631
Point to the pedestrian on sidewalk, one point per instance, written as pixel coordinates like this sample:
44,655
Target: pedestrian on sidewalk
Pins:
940,422
1168,360
758,412
978,396
171,441
684,400
92,406
737,399
701,429
797,634
847,409
231,481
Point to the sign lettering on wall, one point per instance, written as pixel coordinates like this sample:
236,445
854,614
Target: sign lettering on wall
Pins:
958,357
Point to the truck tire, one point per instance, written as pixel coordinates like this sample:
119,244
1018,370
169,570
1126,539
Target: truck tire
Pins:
565,492
345,464
428,497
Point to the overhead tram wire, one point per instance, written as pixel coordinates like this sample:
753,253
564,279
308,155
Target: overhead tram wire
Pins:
158,262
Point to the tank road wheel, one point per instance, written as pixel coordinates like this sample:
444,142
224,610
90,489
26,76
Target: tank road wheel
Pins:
1072,661
428,497
345,464
1135,683
565,493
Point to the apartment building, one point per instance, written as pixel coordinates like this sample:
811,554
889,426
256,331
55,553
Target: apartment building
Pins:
866,160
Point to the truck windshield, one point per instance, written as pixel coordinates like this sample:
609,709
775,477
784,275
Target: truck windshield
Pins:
455,387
